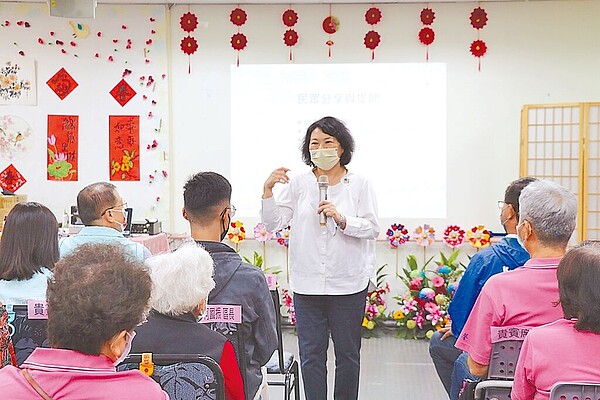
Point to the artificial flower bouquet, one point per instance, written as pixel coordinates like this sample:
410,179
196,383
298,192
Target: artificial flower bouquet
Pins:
424,308
375,306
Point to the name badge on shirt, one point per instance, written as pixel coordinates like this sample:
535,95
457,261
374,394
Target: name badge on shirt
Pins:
37,309
222,313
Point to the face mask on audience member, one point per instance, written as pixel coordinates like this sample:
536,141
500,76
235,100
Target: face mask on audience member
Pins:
127,348
224,227
521,241
121,226
324,159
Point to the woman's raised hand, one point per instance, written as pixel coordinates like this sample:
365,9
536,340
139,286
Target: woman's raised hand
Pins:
277,176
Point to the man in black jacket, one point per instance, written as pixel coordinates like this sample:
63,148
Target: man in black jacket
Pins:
208,209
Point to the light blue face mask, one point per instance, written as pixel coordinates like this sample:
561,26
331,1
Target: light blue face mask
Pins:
521,243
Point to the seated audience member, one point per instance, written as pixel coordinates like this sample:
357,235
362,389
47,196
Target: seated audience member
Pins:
102,211
566,350
524,296
28,252
505,255
208,209
95,300
181,283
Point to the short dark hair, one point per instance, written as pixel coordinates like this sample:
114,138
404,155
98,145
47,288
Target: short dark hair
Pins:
94,199
513,191
29,241
204,193
97,291
333,127
578,282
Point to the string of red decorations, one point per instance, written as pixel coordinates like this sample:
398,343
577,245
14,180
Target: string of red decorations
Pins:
372,38
478,47
189,45
426,34
238,17
331,25
290,37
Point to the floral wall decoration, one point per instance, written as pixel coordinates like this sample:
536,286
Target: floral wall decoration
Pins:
426,34
372,38
189,45
331,25
424,235
479,237
238,17
454,236
63,143
262,235
17,83
236,233
478,47
290,36
11,179
397,234
124,151
15,137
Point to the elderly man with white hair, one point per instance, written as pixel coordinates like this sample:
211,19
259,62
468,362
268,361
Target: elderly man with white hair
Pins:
525,296
181,283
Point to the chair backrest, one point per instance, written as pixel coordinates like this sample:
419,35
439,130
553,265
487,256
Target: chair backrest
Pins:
277,304
506,346
27,333
227,320
575,391
184,376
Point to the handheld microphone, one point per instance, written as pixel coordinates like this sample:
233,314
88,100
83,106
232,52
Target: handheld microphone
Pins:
323,183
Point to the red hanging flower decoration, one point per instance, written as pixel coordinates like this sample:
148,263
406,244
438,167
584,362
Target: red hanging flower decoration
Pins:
188,22
239,41
372,40
478,48
427,16
478,18
189,45
373,16
238,17
290,37
331,24
290,17
426,36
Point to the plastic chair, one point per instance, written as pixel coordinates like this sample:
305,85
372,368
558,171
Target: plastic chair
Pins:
281,362
506,346
575,391
27,334
183,376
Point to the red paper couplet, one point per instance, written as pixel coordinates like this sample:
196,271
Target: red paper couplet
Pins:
11,179
62,83
124,147
63,143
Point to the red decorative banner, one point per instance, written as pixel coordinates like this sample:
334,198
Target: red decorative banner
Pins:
426,34
63,143
478,20
62,83
238,17
11,179
372,38
189,44
124,150
290,37
122,93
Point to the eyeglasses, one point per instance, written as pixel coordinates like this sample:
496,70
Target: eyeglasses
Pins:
123,207
231,209
502,204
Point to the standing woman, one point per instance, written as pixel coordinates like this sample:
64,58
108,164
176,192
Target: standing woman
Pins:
329,264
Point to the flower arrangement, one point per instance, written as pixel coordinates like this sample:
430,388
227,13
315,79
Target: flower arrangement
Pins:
425,235
375,304
479,237
289,303
454,236
397,234
261,234
283,236
424,307
236,233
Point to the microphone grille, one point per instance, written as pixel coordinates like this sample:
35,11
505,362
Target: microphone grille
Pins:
323,179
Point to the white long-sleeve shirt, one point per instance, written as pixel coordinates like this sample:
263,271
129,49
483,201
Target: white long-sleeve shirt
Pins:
321,260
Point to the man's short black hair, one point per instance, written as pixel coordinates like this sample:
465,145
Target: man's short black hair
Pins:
203,195
513,191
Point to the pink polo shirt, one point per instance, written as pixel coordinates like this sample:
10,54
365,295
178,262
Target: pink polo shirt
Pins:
552,353
71,375
522,297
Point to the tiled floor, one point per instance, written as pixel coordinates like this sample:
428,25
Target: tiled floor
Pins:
390,369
